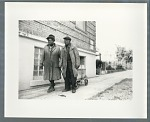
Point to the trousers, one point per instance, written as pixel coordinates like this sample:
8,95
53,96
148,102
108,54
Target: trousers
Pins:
70,80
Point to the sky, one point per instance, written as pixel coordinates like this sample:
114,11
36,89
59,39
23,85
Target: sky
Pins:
119,25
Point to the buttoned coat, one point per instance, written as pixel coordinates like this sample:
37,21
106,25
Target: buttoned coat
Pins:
75,59
50,59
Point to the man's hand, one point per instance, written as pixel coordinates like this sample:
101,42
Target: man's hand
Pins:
41,65
77,67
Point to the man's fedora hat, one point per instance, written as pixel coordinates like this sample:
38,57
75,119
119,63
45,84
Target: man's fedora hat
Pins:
67,38
51,37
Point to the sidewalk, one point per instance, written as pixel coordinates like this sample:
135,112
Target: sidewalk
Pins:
36,91
95,86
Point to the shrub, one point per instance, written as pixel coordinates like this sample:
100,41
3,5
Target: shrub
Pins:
119,67
109,68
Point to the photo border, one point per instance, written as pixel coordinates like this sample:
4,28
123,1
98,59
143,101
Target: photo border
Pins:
2,69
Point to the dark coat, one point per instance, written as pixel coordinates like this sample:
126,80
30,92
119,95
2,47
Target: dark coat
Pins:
50,60
75,59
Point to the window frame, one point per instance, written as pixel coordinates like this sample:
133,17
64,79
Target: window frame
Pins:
38,76
84,63
80,29
82,68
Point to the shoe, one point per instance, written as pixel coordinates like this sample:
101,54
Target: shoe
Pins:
52,83
73,90
50,89
65,90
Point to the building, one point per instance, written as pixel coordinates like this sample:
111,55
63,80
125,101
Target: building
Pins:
32,39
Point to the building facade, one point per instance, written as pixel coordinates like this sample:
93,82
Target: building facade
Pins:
32,39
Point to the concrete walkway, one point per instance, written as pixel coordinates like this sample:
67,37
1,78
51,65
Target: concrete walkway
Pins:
95,86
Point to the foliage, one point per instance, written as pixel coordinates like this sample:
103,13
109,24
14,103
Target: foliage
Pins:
119,67
109,68
124,55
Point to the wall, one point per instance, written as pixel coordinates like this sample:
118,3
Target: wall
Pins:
60,29
26,62
90,63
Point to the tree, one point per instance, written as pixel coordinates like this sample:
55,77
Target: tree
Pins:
120,53
124,55
129,56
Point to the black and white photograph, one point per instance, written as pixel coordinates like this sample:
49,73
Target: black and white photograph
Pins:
76,56
91,74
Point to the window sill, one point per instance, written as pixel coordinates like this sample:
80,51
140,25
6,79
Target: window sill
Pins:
82,68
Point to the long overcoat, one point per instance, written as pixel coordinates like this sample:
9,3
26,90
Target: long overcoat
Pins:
50,59
75,59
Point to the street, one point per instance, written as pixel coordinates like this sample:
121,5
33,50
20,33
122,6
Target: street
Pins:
95,86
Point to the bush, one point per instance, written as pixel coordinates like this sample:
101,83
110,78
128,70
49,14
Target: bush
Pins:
119,67
109,68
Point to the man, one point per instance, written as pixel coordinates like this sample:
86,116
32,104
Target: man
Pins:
70,62
50,60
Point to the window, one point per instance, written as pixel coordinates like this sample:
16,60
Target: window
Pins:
37,72
91,44
81,25
82,68
82,62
